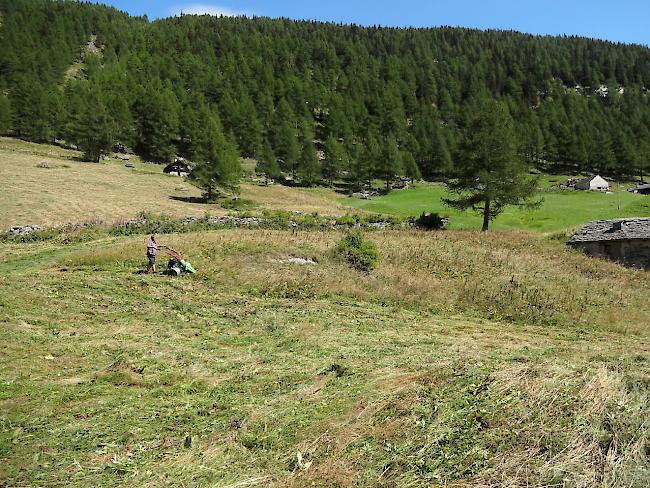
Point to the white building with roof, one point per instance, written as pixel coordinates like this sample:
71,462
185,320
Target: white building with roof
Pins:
593,183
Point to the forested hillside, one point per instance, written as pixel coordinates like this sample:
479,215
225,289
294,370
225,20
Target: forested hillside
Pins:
322,100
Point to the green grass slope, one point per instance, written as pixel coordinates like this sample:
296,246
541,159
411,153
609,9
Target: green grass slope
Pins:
462,360
561,209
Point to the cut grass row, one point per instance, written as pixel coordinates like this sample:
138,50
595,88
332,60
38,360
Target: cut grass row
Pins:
463,360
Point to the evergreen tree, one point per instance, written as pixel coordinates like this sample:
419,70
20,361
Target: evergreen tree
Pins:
55,114
490,175
32,113
268,163
441,160
334,159
219,167
287,148
285,138
532,139
120,112
356,169
95,135
5,114
410,167
157,124
601,153
389,162
188,129
196,130
247,127
366,162
309,165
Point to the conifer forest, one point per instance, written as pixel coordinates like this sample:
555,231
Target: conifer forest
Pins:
317,101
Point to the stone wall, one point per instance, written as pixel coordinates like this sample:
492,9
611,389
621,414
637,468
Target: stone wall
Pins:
630,252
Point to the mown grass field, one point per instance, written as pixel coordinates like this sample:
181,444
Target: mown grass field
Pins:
562,209
463,360
47,185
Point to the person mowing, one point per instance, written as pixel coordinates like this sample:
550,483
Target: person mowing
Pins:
152,250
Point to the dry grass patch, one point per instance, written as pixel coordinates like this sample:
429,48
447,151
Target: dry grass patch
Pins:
513,276
72,191
308,200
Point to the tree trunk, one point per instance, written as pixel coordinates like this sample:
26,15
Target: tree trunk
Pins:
486,215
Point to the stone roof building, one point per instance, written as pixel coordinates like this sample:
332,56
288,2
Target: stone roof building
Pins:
623,240
642,188
178,168
592,183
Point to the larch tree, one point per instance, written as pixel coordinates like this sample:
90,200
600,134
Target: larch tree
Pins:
5,114
219,167
334,159
389,162
96,132
410,167
309,165
490,174
268,163
157,124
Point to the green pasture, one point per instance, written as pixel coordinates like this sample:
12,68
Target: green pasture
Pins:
561,209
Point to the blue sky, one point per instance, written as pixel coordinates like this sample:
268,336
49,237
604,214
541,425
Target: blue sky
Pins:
615,20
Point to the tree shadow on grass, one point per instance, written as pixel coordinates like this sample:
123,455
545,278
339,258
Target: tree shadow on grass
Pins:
189,199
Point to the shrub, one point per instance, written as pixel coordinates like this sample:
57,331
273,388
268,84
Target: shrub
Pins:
357,251
238,204
348,220
431,221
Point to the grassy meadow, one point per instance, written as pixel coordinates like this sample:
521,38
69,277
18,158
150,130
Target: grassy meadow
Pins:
561,209
48,185
463,360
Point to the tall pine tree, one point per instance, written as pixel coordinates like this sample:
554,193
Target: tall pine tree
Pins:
5,114
490,175
334,159
268,163
157,124
219,168
96,133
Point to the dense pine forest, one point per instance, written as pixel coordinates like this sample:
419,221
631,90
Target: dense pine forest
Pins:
315,100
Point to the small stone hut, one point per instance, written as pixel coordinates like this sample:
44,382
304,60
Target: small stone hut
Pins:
643,189
178,168
592,183
623,240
